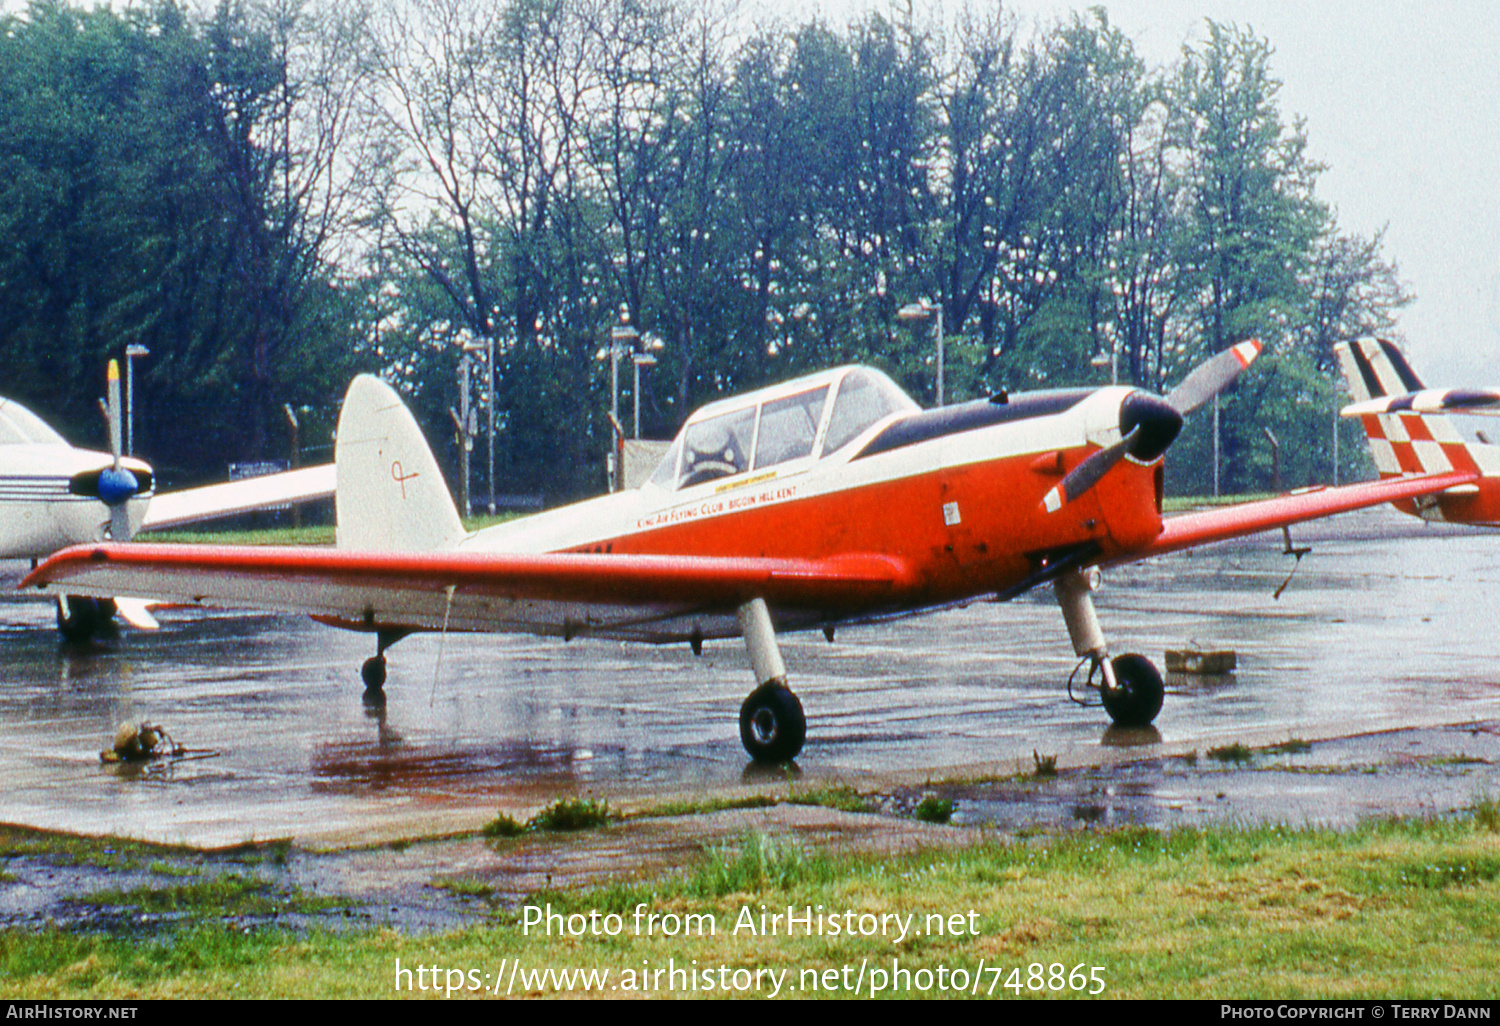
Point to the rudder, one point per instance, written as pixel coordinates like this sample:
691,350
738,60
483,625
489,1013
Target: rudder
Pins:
391,494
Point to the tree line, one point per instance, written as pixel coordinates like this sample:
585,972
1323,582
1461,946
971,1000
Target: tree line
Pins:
270,196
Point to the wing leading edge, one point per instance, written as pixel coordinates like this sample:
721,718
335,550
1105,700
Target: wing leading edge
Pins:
1212,525
626,596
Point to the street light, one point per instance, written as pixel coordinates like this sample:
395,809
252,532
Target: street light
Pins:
920,311
622,338
131,352
464,420
650,345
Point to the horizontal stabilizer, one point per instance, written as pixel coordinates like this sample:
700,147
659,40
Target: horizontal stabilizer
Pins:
1480,401
221,500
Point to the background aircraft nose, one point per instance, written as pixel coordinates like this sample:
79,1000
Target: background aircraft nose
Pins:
1154,421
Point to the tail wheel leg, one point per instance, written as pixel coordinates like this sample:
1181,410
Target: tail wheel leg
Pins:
772,724
372,672
1130,687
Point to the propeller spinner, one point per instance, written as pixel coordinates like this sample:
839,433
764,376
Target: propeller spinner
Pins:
1149,423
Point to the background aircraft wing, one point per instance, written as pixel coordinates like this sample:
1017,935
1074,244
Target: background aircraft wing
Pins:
1211,525
1478,401
616,595
169,509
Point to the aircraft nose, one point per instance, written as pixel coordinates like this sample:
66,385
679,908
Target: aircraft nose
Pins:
1154,421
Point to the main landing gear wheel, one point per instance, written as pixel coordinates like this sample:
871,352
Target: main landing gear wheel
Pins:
79,617
1137,698
772,726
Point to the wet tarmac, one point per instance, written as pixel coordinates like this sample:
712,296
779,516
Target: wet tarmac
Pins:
1388,626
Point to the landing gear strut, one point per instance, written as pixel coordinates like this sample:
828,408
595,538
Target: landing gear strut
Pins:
772,724
1130,687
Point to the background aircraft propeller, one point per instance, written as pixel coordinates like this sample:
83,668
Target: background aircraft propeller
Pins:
1148,423
116,484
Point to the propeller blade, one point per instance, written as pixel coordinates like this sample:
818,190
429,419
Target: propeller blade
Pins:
1087,474
1212,376
112,411
119,522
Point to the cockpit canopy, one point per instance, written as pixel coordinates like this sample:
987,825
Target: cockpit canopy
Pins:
19,426
786,426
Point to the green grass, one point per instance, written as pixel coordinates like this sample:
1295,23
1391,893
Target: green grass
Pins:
1183,503
67,849
700,806
221,895
833,796
1396,909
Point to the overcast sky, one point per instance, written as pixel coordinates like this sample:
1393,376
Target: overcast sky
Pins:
1401,102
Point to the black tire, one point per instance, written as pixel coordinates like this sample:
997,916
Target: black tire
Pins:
1137,700
373,673
79,617
772,726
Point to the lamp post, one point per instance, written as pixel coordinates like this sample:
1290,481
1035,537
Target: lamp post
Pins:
622,338
650,345
639,360
489,389
464,420
131,353
920,311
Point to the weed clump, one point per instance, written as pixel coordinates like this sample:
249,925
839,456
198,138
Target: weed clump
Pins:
1230,753
933,809
563,814
1487,815
572,814
504,825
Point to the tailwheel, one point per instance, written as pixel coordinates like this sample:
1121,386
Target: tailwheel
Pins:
772,725
1136,696
373,673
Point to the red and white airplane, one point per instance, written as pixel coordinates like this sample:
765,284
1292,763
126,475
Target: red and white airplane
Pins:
53,495
822,501
1409,436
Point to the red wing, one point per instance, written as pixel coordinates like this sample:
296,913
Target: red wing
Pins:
634,596
1190,529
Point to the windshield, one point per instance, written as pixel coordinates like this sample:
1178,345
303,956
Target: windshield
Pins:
788,427
865,396
718,447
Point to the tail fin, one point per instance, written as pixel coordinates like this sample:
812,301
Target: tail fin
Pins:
1374,368
1405,442
391,495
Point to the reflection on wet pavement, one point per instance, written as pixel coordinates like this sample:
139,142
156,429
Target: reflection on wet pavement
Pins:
1386,625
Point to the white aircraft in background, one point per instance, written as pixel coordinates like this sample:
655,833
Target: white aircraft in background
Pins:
53,495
